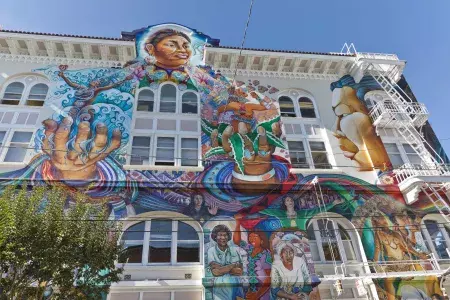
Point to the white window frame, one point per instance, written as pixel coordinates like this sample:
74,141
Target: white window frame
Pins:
173,245
336,222
155,100
399,141
426,235
28,81
7,142
172,293
180,106
177,149
157,105
295,95
308,153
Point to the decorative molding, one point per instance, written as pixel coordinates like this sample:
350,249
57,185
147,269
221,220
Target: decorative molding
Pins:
58,60
274,74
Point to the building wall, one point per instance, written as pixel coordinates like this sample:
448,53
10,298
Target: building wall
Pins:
217,213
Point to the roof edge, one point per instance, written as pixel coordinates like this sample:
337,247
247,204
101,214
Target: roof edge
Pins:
66,35
284,51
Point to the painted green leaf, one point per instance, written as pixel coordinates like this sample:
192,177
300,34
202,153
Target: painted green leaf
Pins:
237,145
274,140
214,151
207,127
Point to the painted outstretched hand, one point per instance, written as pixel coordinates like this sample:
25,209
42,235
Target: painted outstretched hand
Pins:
69,162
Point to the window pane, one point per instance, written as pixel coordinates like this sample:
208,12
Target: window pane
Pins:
166,142
296,146
189,152
38,92
396,159
2,137
286,107
183,295
189,103
164,155
159,252
349,251
306,107
13,93
143,141
391,148
123,296
437,238
408,148
189,143
161,230
135,232
314,250
21,137
186,232
16,153
317,146
131,254
168,98
298,160
319,155
331,250
188,251
145,101
157,296
414,159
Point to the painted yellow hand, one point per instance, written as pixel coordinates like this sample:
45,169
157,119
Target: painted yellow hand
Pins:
69,163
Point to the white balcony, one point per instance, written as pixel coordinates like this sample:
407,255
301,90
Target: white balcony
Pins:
388,114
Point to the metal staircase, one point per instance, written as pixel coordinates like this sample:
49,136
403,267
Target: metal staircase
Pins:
405,115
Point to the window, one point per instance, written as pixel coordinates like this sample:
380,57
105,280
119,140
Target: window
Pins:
160,241
330,239
412,155
394,154
146,100
140,150
165,150
13,93
168,99
189,152
286,107
37,95
316,157
189,103
319,155
436,237
298,154
2,137
18,146
306,107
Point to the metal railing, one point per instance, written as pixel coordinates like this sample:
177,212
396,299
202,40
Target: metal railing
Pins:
386,113
383,56
410,170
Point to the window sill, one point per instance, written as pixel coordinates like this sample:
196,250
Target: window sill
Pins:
162,267
162,168
316,171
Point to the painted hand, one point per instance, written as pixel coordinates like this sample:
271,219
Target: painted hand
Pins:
213,209
69,163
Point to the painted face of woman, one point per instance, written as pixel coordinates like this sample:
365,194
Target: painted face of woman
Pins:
171,52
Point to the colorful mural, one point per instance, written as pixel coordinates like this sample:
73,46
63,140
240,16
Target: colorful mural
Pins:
254,212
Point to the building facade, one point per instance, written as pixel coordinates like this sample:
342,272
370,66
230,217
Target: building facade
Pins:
237,173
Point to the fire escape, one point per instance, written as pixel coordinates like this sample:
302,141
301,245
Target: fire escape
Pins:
399,111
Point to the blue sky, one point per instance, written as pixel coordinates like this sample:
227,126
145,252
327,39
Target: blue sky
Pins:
413,29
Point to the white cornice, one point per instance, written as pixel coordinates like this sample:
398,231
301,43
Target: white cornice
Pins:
58,60
275,74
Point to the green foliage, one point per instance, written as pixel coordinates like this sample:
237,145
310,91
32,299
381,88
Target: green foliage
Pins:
42,244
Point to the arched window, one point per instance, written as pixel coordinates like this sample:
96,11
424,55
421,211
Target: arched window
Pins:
168,99
329,241
37,95
286,107
307,109
437,238
189,103
146,100
13,93
161,241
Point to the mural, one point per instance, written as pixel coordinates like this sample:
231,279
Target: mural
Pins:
254,212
